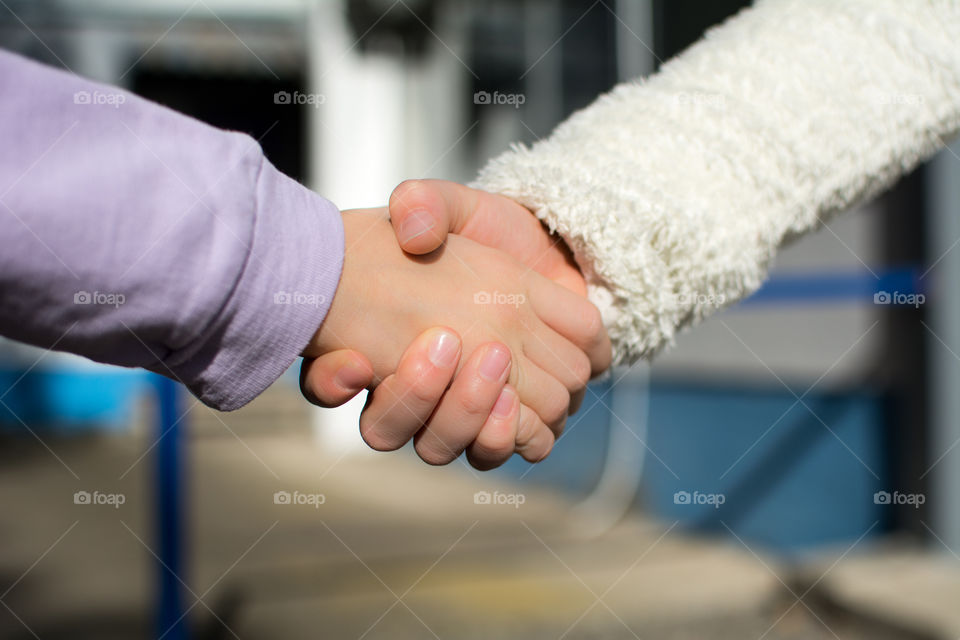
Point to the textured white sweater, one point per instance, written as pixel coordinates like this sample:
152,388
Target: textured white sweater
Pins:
675,192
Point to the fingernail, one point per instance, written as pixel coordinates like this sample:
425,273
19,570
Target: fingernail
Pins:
351,376
444,349
415,225
504,404
494,364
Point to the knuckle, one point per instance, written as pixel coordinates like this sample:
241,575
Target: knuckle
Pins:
581,370
556,407
421,393
407,192
558,427
537,444
434,455
378,435
405,188
593,322
474,407
527,429
492,448
545,449
377,439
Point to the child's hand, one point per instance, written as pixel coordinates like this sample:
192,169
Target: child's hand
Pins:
405,401
386,298
424,212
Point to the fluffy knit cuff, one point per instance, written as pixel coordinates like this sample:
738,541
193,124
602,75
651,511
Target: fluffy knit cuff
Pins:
675,193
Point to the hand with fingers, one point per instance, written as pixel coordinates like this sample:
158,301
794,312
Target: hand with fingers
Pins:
425,396
479,407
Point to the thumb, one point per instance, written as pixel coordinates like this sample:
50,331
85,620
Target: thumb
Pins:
335,377
420,216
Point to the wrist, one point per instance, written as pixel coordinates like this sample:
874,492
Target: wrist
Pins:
348,302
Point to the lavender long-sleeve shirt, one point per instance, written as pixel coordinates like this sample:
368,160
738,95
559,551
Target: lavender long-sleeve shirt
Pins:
134,235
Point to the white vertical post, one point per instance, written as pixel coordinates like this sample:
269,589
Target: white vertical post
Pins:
382,120
354,152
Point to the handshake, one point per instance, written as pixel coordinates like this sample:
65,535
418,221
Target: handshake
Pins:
480,341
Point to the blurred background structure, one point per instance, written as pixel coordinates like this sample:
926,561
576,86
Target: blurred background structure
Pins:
790,469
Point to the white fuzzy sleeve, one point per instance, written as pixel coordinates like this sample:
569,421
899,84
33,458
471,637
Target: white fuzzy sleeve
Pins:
674,193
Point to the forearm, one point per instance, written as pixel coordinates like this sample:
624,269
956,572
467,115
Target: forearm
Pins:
180,235
675,193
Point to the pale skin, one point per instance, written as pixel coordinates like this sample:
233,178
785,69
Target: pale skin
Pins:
553,341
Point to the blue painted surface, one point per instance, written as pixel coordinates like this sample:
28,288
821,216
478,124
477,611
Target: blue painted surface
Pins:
102,398
798,487
841,286
790,482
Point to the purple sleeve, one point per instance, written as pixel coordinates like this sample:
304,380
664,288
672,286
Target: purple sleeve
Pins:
134,235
